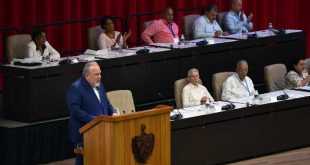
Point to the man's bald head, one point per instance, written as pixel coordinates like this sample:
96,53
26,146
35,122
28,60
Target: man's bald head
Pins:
168,14
236,5
242,69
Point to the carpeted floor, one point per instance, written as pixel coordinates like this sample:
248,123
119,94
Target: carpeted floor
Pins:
294,157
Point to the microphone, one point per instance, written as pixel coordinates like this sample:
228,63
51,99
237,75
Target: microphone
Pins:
247,103
178,116
254,35
283,97
143,51
229,106
280,31
202,43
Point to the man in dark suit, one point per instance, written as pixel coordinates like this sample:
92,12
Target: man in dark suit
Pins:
86,99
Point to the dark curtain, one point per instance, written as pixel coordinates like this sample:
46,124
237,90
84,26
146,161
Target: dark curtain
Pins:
19,13
34,144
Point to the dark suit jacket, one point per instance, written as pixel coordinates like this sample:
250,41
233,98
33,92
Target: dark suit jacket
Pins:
84,106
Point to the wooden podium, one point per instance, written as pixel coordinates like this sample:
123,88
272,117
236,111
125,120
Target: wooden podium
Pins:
111,140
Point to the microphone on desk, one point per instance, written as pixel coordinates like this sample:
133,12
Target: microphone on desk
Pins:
253,35
283,97
202,43
231,102
229,106
279,31
177,116
143,51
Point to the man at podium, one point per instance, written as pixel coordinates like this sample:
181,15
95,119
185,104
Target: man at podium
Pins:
86,99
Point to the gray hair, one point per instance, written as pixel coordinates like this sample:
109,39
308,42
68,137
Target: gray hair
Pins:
241,62
87,66
191,71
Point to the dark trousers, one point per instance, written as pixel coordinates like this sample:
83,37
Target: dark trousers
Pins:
78,158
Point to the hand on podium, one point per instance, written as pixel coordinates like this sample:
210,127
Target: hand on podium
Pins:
78,151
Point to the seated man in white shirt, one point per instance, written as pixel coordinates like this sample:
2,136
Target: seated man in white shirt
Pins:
238,85
194,93
206,25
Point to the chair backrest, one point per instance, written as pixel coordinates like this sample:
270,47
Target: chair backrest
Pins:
220,19
275,77
147,23
122,100
188,22
307,61
93,34
217,83
16,46
178,88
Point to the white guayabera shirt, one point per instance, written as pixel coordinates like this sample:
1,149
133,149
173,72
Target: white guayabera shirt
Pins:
233,88
191,94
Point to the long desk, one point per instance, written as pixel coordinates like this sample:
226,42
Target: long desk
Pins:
38,93
218,137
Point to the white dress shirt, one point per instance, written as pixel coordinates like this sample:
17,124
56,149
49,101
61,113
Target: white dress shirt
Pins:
97,93
191,94
233,87
33,53
203,27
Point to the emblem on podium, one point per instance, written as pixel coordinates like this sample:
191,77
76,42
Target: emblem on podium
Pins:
142,145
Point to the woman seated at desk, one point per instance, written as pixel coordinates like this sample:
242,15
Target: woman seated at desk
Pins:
39,48
110,38
298,76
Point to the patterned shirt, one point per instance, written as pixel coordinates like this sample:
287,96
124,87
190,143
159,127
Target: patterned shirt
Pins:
191,94
233,88
159,31
293,79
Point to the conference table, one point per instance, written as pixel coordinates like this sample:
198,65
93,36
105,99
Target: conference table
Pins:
254,128
36,93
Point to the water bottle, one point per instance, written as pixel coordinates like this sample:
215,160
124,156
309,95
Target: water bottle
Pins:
202,106
255,98
120,47
44,58
182,40
244,32
270,27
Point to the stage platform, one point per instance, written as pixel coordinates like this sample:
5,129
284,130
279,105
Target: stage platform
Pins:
34,143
